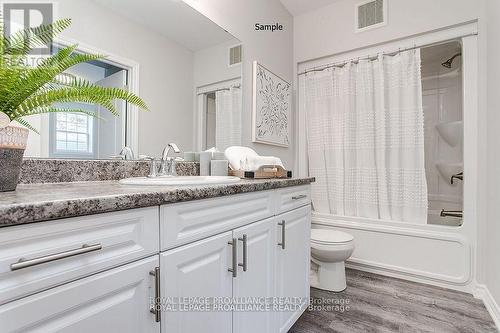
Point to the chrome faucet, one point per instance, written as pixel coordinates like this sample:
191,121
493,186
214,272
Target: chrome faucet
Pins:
126,154
459,175
167,167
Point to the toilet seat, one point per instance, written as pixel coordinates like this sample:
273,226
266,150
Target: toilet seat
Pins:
330,236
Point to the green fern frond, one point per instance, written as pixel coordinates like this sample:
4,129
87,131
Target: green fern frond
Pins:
43,110
22,42
26,124
26,90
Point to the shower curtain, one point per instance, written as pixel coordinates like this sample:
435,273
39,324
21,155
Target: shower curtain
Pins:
228,118
365,133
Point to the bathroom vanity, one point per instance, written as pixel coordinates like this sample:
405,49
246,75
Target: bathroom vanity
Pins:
148,249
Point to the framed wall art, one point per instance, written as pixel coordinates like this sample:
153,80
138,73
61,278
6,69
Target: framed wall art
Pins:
271,107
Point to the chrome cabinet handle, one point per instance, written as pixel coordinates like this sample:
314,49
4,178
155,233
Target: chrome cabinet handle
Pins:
244,239
157,303
24,263
283,231
234,268
298,197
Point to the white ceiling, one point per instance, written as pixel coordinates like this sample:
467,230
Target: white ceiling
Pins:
172,19
297,7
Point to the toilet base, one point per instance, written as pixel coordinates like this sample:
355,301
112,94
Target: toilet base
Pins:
330,276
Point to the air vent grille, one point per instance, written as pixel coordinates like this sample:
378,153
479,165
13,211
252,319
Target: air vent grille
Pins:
235,55
370,14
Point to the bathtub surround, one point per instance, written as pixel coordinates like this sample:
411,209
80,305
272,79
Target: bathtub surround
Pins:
42,202
64,170
365,127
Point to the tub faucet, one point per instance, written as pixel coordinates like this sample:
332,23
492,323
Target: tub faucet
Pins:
459,175
451,213
167,167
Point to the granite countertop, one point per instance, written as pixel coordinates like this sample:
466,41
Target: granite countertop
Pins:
43,202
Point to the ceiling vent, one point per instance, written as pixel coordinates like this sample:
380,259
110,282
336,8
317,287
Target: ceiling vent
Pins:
235,55
370,14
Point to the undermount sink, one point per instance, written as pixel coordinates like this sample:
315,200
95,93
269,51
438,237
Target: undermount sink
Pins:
180,180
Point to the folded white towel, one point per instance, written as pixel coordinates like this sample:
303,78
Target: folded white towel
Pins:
244,158
256,162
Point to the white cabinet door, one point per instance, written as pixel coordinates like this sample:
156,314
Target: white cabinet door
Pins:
292,264
117,300
196,270
255,279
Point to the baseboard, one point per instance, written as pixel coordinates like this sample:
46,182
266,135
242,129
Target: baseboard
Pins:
482,292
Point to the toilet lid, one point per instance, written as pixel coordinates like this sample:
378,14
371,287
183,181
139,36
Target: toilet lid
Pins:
330,236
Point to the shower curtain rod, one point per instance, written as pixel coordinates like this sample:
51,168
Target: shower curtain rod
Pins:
221,89
340,64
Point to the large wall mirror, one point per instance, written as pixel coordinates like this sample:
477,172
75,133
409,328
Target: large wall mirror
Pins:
185,67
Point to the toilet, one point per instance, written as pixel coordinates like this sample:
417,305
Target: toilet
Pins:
329,250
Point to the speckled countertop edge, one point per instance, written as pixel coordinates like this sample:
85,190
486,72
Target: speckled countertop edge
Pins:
44,202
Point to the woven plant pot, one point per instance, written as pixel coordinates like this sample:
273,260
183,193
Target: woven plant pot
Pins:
12,145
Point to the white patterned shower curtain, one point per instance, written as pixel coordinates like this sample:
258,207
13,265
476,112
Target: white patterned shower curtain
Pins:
365,131
228,118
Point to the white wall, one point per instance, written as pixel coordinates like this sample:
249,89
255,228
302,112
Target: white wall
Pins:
272,49
211,64
330,30
492,75
166,77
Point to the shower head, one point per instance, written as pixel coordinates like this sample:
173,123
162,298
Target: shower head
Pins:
448,62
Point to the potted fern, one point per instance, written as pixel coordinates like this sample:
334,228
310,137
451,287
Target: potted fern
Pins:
32,90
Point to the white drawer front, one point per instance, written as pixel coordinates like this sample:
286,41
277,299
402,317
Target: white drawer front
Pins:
185,222
117,300
290,198
123,236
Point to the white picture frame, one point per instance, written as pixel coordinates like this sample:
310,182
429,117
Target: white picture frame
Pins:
272,97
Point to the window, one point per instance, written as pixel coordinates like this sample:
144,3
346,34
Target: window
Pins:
73,132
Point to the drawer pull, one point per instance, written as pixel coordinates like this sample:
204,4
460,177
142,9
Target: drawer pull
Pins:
244,239
157,303
234,268
298,197
282,224
24,263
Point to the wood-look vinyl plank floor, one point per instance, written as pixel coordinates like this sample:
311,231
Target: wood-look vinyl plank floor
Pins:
376,303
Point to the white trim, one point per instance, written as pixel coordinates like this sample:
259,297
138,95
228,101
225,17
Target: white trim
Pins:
132,130
482,292
373,26
208,88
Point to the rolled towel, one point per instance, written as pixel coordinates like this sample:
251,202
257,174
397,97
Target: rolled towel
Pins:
244,158
256,162
236,155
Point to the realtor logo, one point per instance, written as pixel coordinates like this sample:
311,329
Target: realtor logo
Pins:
19,16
